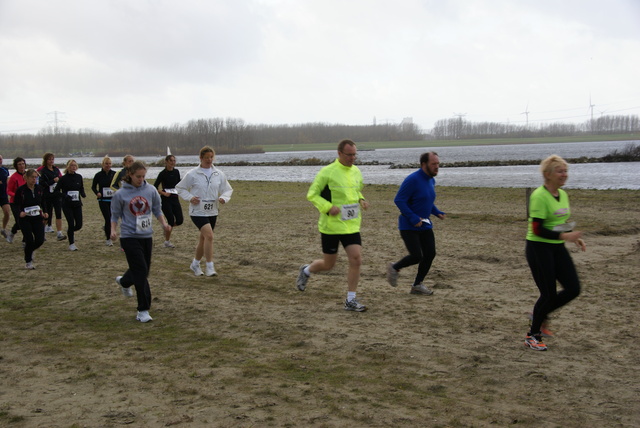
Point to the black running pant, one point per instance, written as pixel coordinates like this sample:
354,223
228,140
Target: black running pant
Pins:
105,209
172,210
15,210
73,214
138,253
422,249
550,263
54,202
33,232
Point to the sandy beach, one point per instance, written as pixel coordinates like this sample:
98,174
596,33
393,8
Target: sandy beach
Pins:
247,349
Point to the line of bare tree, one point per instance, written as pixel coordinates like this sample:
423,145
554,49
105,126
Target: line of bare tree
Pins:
233,135
461,129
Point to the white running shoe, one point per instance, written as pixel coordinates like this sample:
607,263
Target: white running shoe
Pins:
108,243
73,247
168,244
196,269
10,236
210,271
126,291
30,266
143,316
48,229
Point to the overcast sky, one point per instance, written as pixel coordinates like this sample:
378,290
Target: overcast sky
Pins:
110,65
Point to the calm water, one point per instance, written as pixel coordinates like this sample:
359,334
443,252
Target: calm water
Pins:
624,175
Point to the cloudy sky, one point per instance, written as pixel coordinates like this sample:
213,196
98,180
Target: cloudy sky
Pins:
109,65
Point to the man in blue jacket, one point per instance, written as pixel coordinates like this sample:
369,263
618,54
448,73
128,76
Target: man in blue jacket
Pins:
415,200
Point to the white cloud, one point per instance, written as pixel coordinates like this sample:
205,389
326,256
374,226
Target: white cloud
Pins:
119,64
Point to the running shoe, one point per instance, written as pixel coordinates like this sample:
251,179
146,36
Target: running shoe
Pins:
126,291
354,305
3,233
421,289
210,271
195,267
534,343
168,244
10,236
544,328
30,266
73,247
61,237
143,316
392,275
49,229
108,243
303,278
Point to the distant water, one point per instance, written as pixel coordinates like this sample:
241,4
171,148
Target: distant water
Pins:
625,175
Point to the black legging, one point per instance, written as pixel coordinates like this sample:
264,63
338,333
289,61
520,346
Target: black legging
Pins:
548,263
422,249
105,209
138,253
53,202
172,210
33,232
73,214
15,210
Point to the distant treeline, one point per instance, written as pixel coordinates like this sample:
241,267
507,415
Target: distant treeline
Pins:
233,135
461,129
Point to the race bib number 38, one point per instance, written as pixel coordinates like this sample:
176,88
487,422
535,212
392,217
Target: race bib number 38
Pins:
349,212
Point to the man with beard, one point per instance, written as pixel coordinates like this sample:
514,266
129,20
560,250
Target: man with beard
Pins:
415,200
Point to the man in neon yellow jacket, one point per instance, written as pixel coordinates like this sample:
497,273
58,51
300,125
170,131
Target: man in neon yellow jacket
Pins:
337,194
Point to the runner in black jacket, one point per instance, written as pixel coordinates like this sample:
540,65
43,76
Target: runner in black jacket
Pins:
169,177
30,203
101,187
72,188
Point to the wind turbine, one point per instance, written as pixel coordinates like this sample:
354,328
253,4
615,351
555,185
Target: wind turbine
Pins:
526,113
591,106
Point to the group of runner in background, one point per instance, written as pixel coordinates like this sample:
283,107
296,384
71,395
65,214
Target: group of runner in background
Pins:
35,196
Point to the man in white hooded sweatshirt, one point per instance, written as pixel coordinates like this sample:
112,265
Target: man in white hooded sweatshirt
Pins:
205,187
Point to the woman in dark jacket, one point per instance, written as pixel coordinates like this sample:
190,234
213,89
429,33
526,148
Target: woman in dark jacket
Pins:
101,187
31,206
72,189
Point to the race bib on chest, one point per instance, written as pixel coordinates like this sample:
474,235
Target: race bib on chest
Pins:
74,195
349,212
33,211
172,191
208,207
52,187
143,223
107,192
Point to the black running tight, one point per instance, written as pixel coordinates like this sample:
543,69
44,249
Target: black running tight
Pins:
550,263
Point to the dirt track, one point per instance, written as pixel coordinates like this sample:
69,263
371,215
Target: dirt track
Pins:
247,349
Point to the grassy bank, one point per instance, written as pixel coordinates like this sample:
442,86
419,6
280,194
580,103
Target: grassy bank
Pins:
247,349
